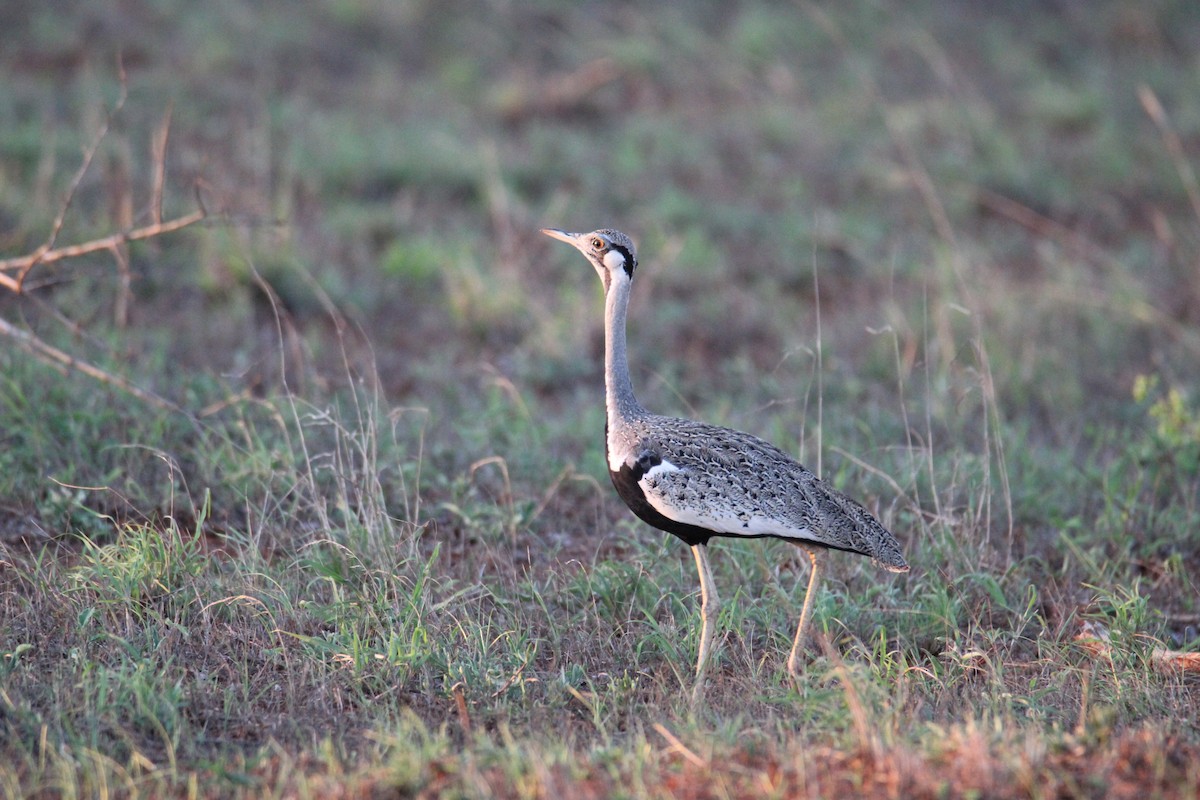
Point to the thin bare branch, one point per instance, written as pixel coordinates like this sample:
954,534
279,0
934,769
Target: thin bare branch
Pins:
64,361
159,146
1042,225
23,264
1158,114
88,154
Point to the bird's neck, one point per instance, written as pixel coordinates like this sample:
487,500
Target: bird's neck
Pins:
620,401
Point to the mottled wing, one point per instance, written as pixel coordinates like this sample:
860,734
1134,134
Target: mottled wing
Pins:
735,484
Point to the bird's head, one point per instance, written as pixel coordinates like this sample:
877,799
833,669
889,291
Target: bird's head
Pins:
610,252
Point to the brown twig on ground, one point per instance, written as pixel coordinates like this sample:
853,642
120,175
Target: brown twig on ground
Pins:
1095,639
65,361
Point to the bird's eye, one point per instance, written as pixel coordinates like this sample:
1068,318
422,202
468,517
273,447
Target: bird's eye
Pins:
597,243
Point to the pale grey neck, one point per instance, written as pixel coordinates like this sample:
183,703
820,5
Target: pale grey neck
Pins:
620,401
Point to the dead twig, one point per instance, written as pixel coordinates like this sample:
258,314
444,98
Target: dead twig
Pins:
160,166
460,705
1095,639
1042,225
48,253
1187,176
23,264
88,154
679,747
65,361
15,271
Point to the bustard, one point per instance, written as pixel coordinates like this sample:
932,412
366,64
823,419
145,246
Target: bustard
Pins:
698,481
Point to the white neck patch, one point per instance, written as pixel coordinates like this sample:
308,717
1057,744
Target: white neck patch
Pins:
616,459
614,261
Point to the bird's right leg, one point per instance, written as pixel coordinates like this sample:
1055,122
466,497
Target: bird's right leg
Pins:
710,605
793,663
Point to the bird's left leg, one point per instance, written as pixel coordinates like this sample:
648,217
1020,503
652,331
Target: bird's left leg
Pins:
816,557
710,605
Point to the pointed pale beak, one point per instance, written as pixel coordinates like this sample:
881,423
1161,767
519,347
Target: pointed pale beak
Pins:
570,238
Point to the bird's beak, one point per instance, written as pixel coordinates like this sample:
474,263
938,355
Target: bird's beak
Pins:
570,238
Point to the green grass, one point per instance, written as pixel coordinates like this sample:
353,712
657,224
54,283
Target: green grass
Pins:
943,254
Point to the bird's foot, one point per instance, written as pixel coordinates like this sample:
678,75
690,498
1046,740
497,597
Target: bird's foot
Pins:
800,657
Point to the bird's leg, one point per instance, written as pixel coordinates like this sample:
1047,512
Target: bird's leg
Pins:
793,664
710,604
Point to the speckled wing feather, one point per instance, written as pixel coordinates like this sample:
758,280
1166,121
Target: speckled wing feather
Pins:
735,484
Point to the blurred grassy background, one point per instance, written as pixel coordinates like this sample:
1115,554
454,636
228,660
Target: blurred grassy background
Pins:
946,253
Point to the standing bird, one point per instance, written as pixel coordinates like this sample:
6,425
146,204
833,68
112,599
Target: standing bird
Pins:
698,481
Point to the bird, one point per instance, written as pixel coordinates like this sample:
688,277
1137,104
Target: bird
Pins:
699,481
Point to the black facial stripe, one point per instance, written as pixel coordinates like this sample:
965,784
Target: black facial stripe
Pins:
630,262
